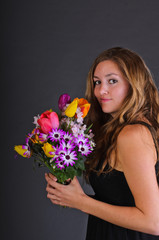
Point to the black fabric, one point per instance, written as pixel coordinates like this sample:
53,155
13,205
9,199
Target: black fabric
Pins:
112,188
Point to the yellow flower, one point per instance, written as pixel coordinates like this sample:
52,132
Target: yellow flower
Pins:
48,148
71,109
22,150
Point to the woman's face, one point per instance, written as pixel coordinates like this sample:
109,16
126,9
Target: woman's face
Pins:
111,88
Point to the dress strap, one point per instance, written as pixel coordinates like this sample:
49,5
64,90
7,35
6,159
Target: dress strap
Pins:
151,130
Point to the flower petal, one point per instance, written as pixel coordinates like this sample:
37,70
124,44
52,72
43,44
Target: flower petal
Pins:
47,149
71,109
82,101
63,100
21,150
84,106
54,119
85,109
45,125
46,114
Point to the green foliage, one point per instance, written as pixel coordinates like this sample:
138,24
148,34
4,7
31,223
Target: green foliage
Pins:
61,174
69,172
36,147
80,165
87,130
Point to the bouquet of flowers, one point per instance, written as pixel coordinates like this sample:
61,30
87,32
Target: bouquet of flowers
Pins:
61,141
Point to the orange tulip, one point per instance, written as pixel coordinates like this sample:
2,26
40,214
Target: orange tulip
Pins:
84,106
82,103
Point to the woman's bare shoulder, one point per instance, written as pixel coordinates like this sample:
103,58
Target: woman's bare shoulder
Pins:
132,131
136,140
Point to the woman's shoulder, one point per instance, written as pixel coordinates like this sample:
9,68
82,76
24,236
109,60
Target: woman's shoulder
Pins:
135,141
137,130
137,136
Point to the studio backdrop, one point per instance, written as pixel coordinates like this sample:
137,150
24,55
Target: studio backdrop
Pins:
47,49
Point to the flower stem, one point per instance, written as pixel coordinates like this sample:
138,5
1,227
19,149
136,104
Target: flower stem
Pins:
48,166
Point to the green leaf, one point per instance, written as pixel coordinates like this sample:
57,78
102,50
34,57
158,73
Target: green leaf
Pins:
79,172
87,130
80,165
70,170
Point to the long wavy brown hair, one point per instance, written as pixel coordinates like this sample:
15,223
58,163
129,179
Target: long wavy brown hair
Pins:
142,101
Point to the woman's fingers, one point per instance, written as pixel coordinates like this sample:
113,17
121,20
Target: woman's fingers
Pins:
53,194
51,180
64,195
53,197
53,191
68,181
52,176
49,189
57,202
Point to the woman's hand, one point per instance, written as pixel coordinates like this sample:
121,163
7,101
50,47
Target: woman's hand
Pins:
70,195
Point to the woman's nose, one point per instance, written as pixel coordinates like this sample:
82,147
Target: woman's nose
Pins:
104,89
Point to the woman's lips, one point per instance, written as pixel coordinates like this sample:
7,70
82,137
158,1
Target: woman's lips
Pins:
105,99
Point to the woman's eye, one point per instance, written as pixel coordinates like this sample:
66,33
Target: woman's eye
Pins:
97,82
112,81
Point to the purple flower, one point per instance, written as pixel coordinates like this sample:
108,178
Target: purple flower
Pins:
67,145
60,151
60,164
55,135
84,149
42,137
81,140
68,137
63,100
69,157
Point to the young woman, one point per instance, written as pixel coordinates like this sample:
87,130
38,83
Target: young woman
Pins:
123,168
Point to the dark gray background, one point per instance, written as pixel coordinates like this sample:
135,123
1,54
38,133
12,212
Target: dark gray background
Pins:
47,48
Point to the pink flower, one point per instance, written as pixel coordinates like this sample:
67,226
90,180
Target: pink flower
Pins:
48,120
63,100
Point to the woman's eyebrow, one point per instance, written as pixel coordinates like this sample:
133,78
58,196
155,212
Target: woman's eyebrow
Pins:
110,74
95,77
107,75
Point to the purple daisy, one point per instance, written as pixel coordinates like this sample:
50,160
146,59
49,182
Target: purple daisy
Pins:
81,140
55,134
67,145
60,151
68,137
42,137
84,149
69,157
60,164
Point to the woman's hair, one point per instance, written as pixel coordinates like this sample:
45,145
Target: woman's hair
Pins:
142,101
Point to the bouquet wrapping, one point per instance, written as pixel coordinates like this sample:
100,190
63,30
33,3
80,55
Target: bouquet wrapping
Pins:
61,141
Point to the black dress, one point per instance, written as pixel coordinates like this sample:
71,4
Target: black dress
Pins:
112,188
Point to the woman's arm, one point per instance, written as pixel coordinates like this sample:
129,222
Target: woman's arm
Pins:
137,155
